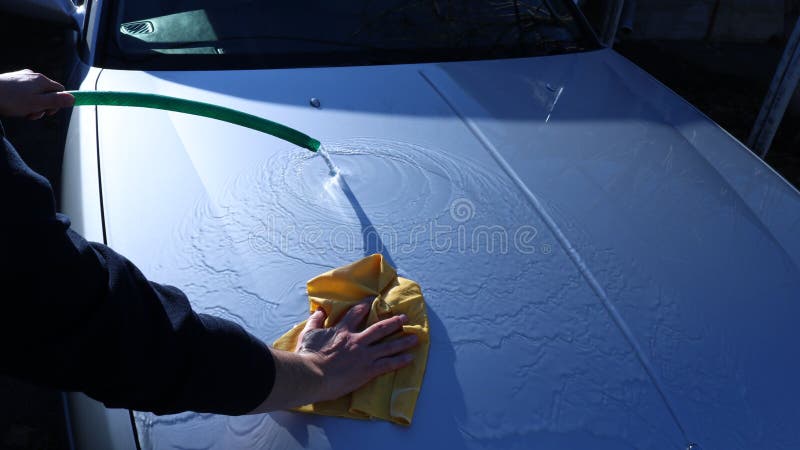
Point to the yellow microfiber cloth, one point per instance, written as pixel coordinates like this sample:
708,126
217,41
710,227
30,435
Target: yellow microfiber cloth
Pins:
391,396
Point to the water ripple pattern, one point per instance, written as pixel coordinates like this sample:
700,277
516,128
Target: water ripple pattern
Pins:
397,183
500,295
290,218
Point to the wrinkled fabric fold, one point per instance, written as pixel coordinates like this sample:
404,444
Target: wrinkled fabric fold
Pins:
392,396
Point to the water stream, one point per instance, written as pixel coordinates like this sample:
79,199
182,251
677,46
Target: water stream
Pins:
371,237
323,152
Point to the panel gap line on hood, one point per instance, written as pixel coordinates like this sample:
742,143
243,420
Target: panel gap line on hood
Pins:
570,249
99,164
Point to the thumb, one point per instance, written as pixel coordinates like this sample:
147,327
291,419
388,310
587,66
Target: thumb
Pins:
54,100
317,320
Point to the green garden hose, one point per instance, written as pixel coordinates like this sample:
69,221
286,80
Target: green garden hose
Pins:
198,109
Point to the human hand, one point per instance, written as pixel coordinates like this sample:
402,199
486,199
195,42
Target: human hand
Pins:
31,95
330,362
348,358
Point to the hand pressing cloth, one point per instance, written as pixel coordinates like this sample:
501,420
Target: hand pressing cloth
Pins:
391,396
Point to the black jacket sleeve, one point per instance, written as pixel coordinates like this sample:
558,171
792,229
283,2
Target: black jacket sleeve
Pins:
78,316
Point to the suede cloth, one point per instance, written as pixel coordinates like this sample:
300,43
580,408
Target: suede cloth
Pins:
391,396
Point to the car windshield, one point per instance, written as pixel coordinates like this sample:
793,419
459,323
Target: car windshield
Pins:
307,33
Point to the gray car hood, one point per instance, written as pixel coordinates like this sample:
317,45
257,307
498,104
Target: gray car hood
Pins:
604,267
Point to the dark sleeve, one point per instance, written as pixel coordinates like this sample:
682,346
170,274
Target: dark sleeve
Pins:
78,316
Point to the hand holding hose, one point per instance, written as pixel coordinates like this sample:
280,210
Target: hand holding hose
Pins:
31,95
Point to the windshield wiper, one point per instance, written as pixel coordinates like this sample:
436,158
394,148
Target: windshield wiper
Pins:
229,39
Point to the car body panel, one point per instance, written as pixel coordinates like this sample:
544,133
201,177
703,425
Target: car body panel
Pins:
643,299
94,426
91,424
691,238
81,186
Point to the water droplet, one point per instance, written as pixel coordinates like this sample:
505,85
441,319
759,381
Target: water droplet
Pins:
315,102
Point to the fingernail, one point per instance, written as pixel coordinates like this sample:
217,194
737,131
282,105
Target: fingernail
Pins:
404,318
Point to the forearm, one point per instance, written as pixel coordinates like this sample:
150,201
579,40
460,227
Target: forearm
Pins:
160,356
82,317
297,382
125,341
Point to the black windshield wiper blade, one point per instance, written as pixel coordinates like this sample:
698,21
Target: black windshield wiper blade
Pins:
229,39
